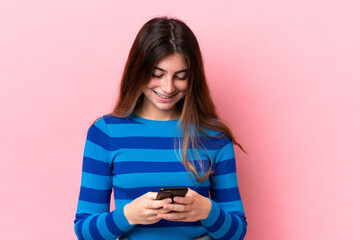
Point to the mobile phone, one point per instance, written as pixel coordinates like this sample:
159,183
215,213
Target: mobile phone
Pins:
171,192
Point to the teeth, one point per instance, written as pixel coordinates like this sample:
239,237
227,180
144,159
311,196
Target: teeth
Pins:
160,95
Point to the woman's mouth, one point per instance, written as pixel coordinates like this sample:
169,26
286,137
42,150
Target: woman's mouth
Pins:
164,96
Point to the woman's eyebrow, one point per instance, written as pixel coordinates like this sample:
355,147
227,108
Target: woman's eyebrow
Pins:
183,70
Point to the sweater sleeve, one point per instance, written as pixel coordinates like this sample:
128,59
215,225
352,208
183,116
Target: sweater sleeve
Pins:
93,219
226,219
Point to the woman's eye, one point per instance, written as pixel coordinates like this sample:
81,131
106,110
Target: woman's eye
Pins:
157,76
181,77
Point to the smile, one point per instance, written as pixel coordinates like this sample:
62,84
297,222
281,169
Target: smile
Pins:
163,96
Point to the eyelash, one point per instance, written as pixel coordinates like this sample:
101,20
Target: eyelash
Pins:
159,76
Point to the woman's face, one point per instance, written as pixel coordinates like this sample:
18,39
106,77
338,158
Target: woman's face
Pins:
166,87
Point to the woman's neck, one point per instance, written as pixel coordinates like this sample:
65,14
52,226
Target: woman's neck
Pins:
158,116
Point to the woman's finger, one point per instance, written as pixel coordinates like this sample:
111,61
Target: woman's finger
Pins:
151,195
163,211
177,207
184,200
155,204
173,216
153,213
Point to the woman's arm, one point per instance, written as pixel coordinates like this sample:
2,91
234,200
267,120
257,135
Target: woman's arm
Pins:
226,219
222,215
93,219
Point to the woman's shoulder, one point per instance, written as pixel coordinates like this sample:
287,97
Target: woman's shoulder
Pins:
212,132
108,119
216,136
112,125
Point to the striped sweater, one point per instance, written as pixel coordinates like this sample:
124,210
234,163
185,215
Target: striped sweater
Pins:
132,156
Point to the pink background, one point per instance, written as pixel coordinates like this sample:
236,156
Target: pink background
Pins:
284,76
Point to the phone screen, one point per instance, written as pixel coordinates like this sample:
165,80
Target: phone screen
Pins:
171,192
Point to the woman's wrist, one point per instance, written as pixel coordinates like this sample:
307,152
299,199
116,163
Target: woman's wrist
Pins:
127,213
206,208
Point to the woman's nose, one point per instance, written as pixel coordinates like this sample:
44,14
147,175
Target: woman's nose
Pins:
168,85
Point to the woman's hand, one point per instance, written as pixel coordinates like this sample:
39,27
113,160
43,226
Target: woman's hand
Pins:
191,208
145,209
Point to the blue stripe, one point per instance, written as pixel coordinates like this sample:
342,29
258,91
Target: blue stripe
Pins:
233,228
94,181
142,142
225,181
220,141
94,232
233,206
225,153
109,119
96,167
225,195
210,143
94,195
113,228
132,193
244,223
165,223
147,167
79,216
155,167
225,167
83,206
98,137
122,130
134,180
150,155
122,202
79,231
216,226
94,151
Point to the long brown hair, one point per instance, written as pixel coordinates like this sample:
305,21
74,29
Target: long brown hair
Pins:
158,38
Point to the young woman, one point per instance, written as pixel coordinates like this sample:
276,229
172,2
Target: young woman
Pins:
163,132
